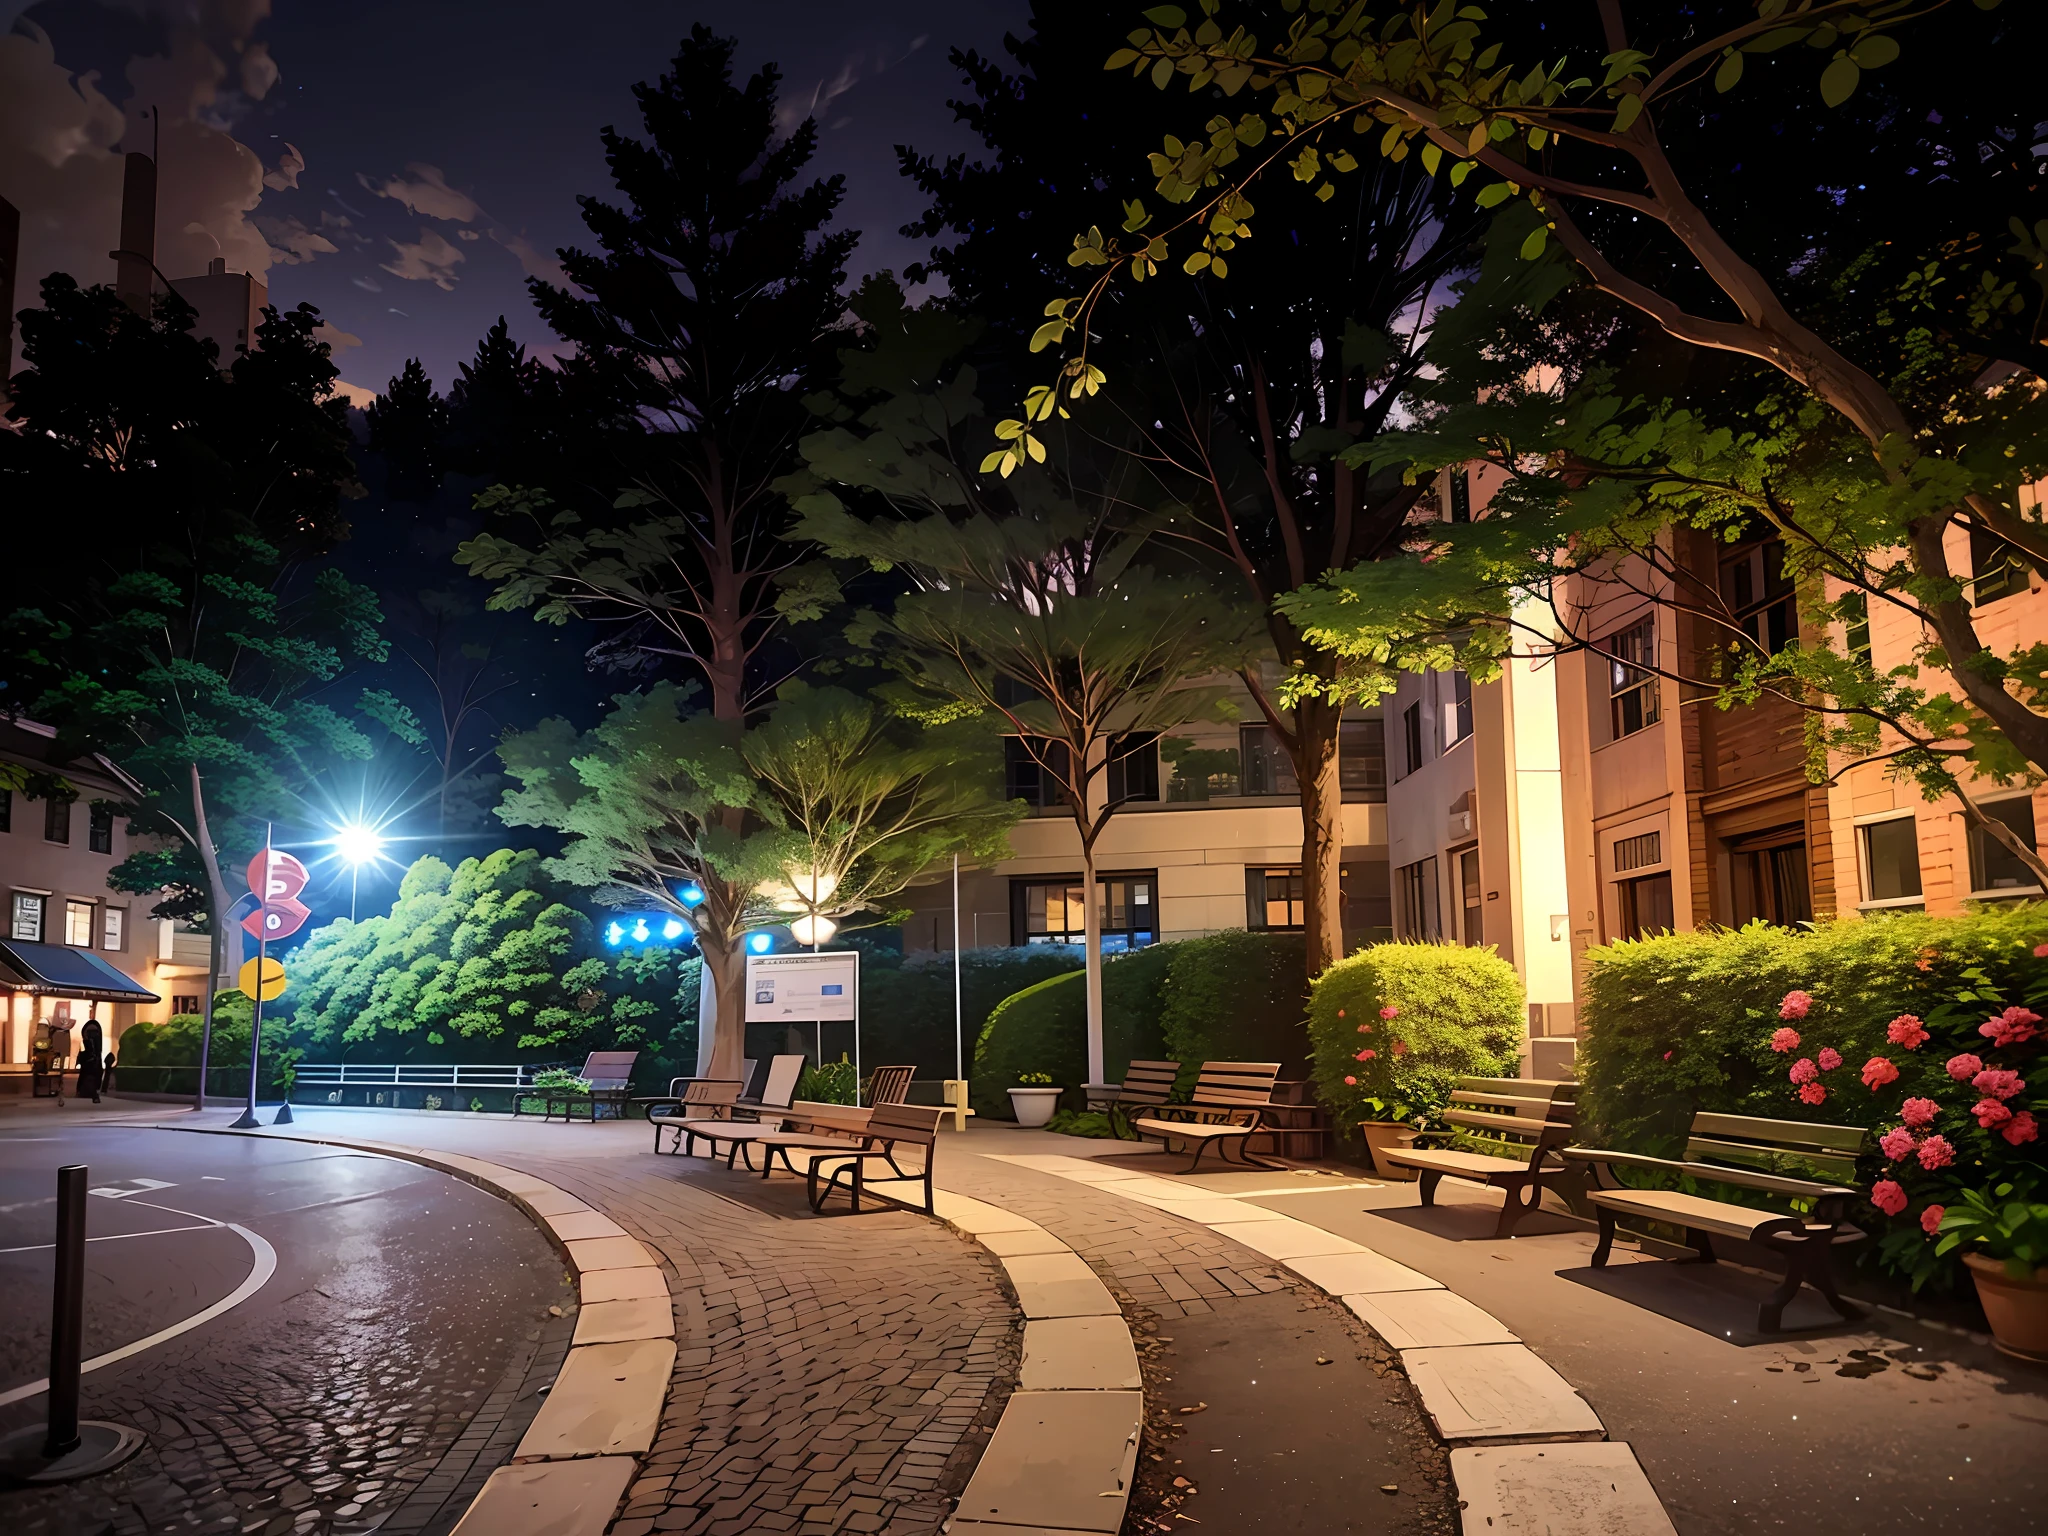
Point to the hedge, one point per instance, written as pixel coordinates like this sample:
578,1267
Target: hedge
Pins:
1236,996
1044,1029
1844,1023
1401,1023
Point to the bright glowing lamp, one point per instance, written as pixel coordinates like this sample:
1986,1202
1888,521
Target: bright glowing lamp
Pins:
615,934
813,930
672,929
640,931
760,943
691,895
812,886
357,844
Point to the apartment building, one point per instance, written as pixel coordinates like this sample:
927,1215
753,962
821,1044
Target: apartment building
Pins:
1209,838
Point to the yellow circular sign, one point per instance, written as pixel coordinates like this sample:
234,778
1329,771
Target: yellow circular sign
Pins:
273,978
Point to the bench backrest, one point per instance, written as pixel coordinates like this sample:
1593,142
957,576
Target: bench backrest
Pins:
843,1119
778,1088
1147,1082
1526,1114
1235,1084
890,1085
710,1093
1824,1154
609,1069
917,1124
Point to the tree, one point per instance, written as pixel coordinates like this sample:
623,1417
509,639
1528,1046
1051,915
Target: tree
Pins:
459,664
409,427
1241,399
1028,607
184,642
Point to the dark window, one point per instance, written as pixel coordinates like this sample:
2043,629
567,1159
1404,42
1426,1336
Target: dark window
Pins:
1274,898
6,810
1769,872
1461,495
1050,912
1472,927
1993,866
1759,595
1416,894
1023,777
1645,906
1855,610
1638,852
1200,773
1996,569
1362,759
56,820
1411,739
1631,686
1891,860
99,834
1461,708
1268,768
1134,766
185,1002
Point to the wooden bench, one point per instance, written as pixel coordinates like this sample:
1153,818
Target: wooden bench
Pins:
890,1085
1146,1085
610,1075
703,1101
1747,1153
889,1127
1530,1118
1227,1108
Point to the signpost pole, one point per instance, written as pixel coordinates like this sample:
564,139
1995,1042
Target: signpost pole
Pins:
249,1120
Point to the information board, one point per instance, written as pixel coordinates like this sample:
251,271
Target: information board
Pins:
823,987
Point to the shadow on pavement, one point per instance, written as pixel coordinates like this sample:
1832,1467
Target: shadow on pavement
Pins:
1474,1223
1718,1299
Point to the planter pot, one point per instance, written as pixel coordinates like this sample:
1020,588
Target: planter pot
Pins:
1034,1106
1383,1136
2016,1309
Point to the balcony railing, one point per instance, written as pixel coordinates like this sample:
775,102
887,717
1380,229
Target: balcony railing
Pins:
354,1074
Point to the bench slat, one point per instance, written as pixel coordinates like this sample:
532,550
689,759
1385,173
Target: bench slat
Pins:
1764,1159
1503,1125
1792,1133
1695,1211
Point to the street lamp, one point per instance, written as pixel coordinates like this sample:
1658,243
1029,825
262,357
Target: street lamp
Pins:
813,930
357,845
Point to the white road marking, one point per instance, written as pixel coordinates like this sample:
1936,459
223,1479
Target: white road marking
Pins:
115,1237
142,1187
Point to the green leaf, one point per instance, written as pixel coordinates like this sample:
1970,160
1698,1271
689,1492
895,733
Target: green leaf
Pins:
1162,73
1167,16
1838,81
1047,334
1729,73
1533,246
1875,52
1630,109
1491,194
1195,262
1432,157
1122,57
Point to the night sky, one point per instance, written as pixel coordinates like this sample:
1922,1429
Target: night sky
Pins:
443,145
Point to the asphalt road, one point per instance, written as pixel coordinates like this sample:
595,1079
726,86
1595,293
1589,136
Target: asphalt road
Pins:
383,1354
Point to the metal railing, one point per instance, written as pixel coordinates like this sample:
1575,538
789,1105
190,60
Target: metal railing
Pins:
352,1074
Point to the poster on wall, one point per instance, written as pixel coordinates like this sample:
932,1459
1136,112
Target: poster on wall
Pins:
801,988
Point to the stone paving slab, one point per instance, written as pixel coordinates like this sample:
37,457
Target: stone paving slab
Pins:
617,1322
583,1225
608,1253
1498,1392
606,1402
642,1280
1007,1245
574,1499
1285,1239
1361,1273
1061,1460
1428,1319
1586,1489
1068,1354
1058,1285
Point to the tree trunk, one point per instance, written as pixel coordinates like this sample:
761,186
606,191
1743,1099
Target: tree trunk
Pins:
216,920
1322,831
727,964
1091,929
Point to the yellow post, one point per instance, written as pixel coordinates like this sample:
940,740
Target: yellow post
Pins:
956,1102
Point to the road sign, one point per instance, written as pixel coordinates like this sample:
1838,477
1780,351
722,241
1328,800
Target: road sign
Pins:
273,978
278,919
276,876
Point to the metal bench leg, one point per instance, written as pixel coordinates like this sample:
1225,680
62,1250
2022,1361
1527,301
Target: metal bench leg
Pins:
1821,1276
1513,1209
1606,1243
1770,1317
1702,1245
1429,1182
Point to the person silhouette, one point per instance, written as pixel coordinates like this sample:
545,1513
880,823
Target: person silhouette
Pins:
91,1068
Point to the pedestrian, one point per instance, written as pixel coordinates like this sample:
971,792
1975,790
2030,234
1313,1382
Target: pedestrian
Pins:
60,1054
91,1065
112,1062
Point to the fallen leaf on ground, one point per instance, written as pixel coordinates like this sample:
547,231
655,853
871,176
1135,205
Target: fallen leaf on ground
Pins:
1196,1409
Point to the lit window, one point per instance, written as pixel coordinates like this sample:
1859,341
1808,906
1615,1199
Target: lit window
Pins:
1050,912
1631,686
78,923
1274,898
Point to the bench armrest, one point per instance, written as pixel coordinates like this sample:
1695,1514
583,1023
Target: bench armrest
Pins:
1769,1183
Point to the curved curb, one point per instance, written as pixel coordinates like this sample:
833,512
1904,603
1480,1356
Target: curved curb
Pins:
1525,1447
1062,1458
570,1471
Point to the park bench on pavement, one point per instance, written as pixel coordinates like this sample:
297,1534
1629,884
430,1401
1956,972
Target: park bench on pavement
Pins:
889,1128
686,1121
1146,1085
1227,1108
810,1126
1744,1152
890,1085
1530,1118
610,1076
703,1101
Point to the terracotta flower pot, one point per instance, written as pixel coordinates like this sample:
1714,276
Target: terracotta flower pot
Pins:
1382,1136
2016,1309
1034,1106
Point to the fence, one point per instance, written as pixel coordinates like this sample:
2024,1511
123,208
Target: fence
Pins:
352,1074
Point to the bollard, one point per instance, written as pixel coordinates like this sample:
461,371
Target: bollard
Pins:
67,1313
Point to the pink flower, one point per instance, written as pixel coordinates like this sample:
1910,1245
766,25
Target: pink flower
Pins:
1795,1005
1989,1113
1935,1152
1877,1072
1906,1030
2041,951
2020,1128
1390,1012
1785,1040
1400,1048
1963,1068
1350,1082
1813,1093
1998,1083
1365,1029
1888,1197
1896,1143
2015,1026
1919,1111
1830,1058
1667,1055
1340,1013
1930,1219
1803,1071
1365,1055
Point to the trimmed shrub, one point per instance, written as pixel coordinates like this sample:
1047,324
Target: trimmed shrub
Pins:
1236,996
1422,1016
1044,1029
906,1001
1842,1024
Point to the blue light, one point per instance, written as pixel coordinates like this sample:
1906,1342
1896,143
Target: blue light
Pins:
640,931
615,934
760,943
690,895
672,929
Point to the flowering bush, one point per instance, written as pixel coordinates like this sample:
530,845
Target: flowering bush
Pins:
1927,1031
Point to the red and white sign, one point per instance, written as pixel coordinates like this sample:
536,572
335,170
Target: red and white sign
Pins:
282,880
278,919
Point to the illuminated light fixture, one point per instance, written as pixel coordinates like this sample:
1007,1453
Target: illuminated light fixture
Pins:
813,930
672,929
357,844
640,931
760,943
811,886
691,895
616,934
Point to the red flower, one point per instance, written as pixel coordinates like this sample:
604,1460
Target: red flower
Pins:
1877,1072
1795,1005
2015,1026
1989,1113
1964,1067
1897,1143
1365,1029
1390,1012
1919,1111
1830,1058
1803,1071
1813,1093
2020,1128
1935,1152
1340,1013
2041,951
1930,1219
1400,1048
1906,1030
1365,1056
1350,1082
1785,1040
1667,1055
1998,1083
1888,1197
